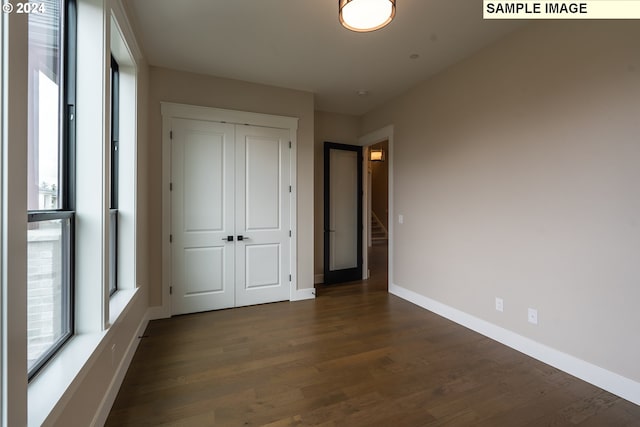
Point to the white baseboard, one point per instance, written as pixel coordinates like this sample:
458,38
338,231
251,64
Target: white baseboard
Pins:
303,294
158,312
607,380
318,278
110,396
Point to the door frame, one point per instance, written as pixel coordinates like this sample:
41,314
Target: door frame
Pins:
367,140
170,111
342,275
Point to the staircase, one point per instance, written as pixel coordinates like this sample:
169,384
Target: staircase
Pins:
378,232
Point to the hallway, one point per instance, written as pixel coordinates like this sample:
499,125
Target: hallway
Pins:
378,278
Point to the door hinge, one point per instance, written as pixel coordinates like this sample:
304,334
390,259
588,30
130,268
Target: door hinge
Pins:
170,290
170,134
289,189
289,233
289,277
170,238
289,144
171,186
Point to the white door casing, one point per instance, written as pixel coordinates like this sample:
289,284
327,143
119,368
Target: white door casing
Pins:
170,112
383,134
230,215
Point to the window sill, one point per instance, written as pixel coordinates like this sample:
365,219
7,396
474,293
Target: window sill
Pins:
119,302
50,390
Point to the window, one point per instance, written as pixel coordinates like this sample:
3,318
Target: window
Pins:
2,218
113,208
50,181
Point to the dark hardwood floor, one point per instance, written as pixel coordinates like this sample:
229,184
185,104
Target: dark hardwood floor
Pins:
354,356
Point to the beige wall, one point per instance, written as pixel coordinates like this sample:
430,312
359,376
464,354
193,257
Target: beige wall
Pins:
517,173
195,89
380,185
330,127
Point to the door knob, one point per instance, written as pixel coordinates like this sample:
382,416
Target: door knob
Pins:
228,239
241,238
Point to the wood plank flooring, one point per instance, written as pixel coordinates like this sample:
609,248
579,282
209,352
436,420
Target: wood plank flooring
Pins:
354,356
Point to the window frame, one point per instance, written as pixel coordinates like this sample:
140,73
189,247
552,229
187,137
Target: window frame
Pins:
2,216
67,201
114,173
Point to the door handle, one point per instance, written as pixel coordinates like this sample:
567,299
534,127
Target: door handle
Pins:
241,238
228,239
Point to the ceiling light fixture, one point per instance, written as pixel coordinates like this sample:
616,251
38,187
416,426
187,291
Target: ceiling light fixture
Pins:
376,155
366,15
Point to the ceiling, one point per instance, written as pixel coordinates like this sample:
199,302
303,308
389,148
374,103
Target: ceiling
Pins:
299,44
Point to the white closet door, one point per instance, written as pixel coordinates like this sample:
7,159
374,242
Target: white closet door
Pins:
262,215
230,215
202,215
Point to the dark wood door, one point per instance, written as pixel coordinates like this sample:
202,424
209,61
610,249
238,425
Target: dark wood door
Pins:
342,213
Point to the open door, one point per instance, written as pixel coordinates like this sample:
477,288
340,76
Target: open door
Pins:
342,213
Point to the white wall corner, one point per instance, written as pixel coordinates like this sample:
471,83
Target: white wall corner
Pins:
607,380
303,294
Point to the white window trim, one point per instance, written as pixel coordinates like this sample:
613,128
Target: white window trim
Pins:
127,147
14,219
96,312
2,243
3,250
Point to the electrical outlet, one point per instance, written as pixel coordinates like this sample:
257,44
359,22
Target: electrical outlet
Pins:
499,304
533,316
401,219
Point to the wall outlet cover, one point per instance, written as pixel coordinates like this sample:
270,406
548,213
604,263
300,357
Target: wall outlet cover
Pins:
532,316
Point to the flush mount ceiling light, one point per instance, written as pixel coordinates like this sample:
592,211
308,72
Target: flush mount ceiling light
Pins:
366,15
